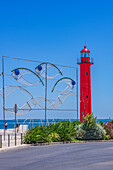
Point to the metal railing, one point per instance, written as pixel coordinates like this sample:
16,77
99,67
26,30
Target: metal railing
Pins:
90,61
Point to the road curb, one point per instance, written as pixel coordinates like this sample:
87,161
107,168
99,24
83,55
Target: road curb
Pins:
69,142
15,147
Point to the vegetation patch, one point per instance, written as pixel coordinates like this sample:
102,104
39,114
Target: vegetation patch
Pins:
61,131
90,129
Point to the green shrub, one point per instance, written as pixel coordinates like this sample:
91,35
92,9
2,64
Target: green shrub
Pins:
54,137
61,131
30,136
66,131
90,129
79,132
37,135
112,121
106,137
89,122
95,133
76,122
43,134
101,123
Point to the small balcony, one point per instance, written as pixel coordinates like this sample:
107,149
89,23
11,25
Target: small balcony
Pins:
85,60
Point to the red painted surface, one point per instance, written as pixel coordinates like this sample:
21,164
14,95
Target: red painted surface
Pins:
85,50
85,83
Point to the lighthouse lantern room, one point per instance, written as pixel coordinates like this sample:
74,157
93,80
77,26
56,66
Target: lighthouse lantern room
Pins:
85,61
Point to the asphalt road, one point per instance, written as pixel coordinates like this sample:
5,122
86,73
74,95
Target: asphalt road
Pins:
81,156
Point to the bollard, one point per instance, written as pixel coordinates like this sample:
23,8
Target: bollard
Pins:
8,140
21,138
15,139
15,110
0,141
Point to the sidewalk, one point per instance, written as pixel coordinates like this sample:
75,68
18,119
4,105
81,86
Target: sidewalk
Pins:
11,140
15,147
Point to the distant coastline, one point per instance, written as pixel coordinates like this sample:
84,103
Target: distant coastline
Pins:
38,122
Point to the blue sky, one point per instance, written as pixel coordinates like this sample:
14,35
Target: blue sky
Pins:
55,31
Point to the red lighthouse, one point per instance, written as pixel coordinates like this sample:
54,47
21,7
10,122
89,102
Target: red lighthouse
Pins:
85,82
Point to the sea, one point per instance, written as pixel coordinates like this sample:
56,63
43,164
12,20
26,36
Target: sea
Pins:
38,122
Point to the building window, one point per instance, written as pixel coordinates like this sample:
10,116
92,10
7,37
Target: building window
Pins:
87,96
86,73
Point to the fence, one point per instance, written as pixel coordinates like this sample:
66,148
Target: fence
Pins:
48,98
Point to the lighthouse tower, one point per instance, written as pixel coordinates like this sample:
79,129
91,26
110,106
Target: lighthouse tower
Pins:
85,61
